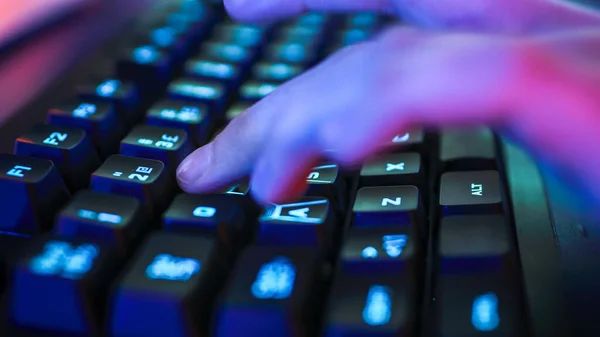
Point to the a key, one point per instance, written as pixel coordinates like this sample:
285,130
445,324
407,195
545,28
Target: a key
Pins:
244,35
478,304
169,39
292,53
97,118
192,117
236,110
212,93
146,65
305,35
387,205
211,215
272,292
312,19
275,71
124,95
227,52
310,221
363,20
371,306
70,149
172,280
474,243
380,250
60,285
326,181
467,149
144,179
253,91
214,71
353,36
471,192
166,144
114,219
32,193
393,169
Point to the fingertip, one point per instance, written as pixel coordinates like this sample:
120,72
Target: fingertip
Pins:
192,168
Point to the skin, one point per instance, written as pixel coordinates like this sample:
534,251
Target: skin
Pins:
528,68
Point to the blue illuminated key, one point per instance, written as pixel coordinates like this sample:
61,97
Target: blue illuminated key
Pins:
97,118
211,215
275,71
244,35
478,304
212,93
166,144
32,193
169,288
227,52
310,221
291,53
60,286
123,94
253,91
192,117
387,205
272,292
363,20
299,34
70,149
147,65
371,306
114,219
144,179
381,250
214,70
236,109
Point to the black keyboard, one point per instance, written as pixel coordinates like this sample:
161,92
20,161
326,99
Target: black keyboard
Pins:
437,237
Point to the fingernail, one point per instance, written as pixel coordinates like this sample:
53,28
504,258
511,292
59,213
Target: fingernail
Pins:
193,167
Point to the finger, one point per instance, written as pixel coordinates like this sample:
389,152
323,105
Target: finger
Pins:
258,10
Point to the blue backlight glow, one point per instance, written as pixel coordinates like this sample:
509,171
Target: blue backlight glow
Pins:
168,267
484,315
108,88
60,258
275,279
378,307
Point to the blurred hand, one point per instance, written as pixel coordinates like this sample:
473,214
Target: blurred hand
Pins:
544,91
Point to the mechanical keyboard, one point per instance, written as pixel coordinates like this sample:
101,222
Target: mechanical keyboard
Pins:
447,234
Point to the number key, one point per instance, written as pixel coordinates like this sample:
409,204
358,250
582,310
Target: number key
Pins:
190,116
141,178
124,95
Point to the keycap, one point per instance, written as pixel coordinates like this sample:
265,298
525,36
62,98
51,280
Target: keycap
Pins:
97,118
380,250
70,149
273,291
227,52
393,169
146,65
387,205
292,53
371,306
32,193
312,19
200,68
171,282
353,36
60,286
470,192
144,179
475,243
327,181
169,145
218,216
253,91
236,109
467,149
190,116
478,304
275,71
363,20
309,221
124,95
299,34
116,220
208,92
244,35
408,140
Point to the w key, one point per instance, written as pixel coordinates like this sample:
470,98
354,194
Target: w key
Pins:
70,149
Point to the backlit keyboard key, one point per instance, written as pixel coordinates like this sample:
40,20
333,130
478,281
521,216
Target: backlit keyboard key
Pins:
254,91
114,219
363,20
236,110
209,92
227,52
387,205
190,116
147,65
470,243
310,221
168,145
299,34
123,94
32,193
272,292
144,179
213,70
275,72
471,192
245,35
467,149
371,306
380,250
212,215
97,118
68,148
293,53
392,169
407,140
477,305
326,181
171,282
60,286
